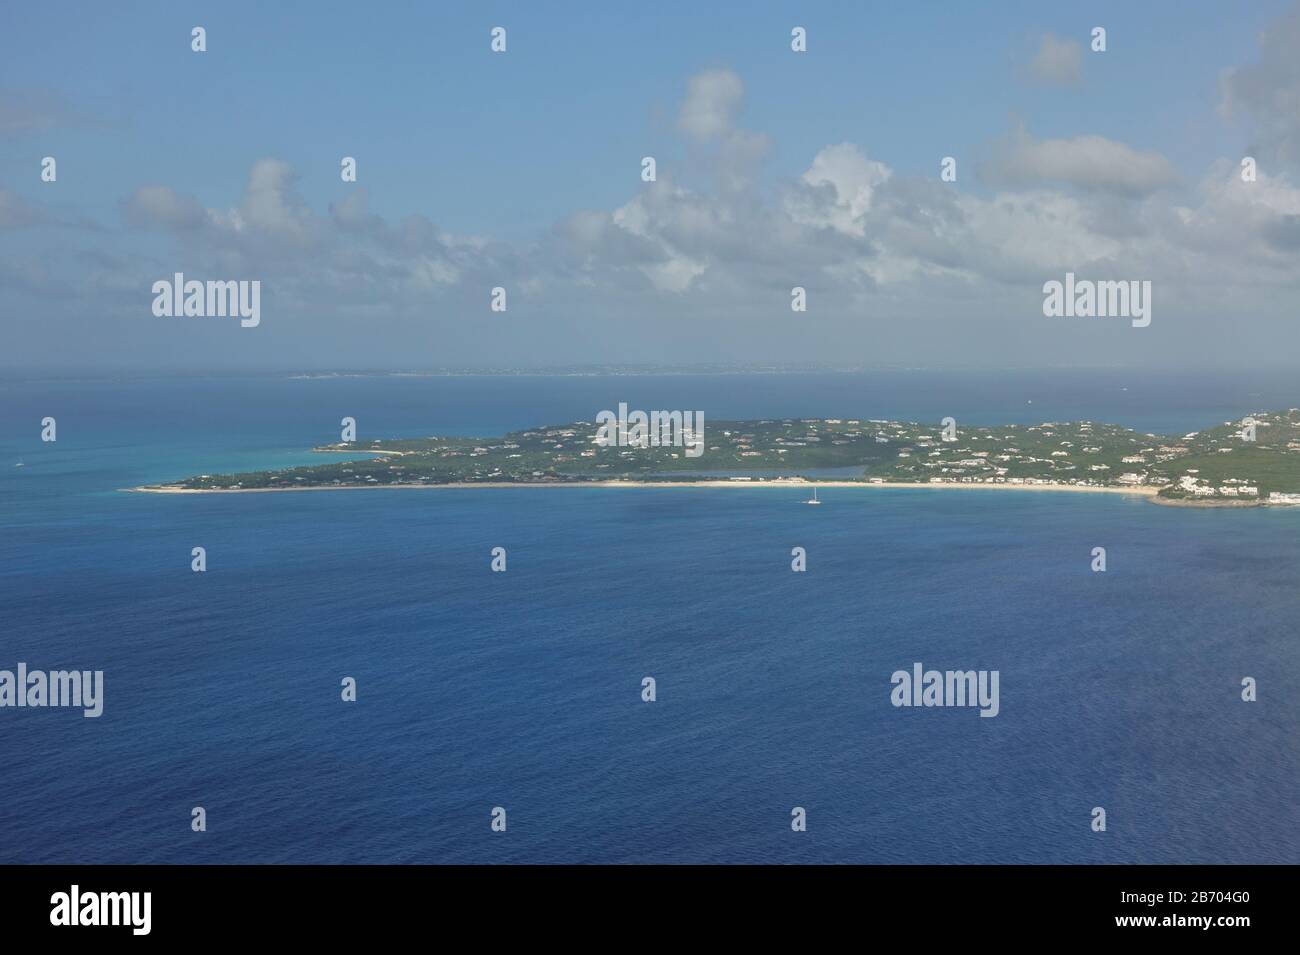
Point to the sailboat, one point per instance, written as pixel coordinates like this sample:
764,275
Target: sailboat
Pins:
813,499
20,465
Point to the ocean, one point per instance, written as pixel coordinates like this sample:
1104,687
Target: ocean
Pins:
522,689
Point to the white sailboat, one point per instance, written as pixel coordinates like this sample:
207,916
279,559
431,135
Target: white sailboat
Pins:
813,499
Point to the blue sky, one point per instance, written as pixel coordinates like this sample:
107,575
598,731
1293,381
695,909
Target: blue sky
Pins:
505,149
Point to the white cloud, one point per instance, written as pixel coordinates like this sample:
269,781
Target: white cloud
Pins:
870,243
1088,162
708,119
272,208
852,180
712,101
1058,62
162,207
1268,92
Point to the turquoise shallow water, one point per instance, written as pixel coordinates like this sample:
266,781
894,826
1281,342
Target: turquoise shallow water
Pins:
522,689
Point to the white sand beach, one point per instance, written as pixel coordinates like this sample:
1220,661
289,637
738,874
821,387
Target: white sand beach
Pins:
770,483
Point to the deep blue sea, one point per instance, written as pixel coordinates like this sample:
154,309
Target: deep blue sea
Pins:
523,690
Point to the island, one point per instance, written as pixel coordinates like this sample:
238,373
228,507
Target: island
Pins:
1250,462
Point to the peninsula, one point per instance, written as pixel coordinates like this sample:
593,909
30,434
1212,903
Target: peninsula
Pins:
1254,461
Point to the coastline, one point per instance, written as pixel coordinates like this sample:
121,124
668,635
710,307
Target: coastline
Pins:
1192,502
382,454
1149,492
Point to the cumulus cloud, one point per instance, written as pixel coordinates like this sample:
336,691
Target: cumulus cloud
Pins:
272,206
348,258
1088,162
162,207
1268,92
1057,63
353,213
864,238
848,225
839,186
712,101
270,211
708,118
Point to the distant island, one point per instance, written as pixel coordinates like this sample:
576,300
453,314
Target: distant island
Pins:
609,370
1255,461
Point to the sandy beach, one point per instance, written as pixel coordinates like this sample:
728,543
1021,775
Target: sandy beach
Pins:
382,454
777,483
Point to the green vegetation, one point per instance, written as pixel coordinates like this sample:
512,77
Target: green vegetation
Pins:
1216,466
